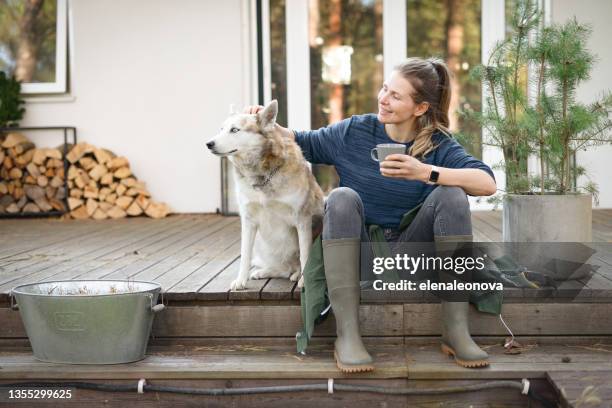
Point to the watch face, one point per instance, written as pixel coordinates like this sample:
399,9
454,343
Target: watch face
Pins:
434,176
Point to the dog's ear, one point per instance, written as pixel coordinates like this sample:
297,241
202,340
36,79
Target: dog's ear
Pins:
267,117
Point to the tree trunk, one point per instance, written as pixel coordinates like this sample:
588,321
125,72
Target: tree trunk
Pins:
27,49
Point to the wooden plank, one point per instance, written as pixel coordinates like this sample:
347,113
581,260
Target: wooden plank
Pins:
89,248
523,319
75,229
278,289
230,361
184,281
33,258
218,287
201,245
574,387
147,255
266,321
127,243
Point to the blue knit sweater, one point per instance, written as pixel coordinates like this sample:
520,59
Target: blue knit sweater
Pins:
347,144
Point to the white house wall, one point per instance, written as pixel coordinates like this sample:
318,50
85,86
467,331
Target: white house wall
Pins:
152,80
597,13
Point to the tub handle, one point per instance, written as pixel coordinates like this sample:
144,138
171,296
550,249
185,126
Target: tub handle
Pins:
14,305
156,308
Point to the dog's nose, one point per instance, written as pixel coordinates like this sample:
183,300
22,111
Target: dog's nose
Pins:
210,145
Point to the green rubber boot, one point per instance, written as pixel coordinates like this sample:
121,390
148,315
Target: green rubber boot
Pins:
341,260
456,339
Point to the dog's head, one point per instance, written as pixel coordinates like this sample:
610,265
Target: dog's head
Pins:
244,133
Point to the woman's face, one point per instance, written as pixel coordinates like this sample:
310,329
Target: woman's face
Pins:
395,103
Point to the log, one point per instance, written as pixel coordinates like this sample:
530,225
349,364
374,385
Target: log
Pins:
80,213
99,214
34,192
57,204
103,156
50,192
54,154
23,147
73,172
15,173
61,193
157,210
43,204
121,189
122,172
50,172
116,212
143,202
134,209
39,157
18,193
22,202
104,206
74,203
3,188
31,207
13,139
90,192
42,181
124,202
117,163
87,163
2,155
12,208
111,198
7,163
32,169
92,206
56,182
55,163
78,151
106,179
76,193
98,171
128,182
24,159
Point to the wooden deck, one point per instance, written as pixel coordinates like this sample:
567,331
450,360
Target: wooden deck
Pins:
211,337
195,257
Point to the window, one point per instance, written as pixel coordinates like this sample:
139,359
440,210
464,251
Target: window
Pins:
450,30
33,44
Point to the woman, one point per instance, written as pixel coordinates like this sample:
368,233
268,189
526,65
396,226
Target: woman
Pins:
413,108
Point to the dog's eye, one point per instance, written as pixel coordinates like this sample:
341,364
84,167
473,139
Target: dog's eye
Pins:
234,130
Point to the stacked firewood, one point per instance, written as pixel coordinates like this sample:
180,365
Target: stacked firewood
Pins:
31,179
100,184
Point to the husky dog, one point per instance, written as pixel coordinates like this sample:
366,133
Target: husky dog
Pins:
278,197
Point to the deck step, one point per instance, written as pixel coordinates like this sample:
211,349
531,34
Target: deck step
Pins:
377,320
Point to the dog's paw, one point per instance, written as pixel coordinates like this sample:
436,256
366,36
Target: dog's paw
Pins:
300,284
295,276
239,284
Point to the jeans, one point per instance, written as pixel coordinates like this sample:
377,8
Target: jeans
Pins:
445,215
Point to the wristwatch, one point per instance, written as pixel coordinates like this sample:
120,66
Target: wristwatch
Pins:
433,176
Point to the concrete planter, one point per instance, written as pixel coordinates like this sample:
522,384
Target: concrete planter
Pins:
555,226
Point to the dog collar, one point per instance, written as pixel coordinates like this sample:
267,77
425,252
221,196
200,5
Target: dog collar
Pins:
267,179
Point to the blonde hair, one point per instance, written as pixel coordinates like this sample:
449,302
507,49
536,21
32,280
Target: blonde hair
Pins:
430,79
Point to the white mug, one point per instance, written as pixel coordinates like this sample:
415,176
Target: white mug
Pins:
385,149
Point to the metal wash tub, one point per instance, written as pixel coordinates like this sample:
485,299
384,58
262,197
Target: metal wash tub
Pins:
88,321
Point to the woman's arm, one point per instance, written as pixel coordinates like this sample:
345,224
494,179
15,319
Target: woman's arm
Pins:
475,182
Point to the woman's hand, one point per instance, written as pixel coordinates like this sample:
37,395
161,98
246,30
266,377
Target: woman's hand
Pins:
254,109
403,166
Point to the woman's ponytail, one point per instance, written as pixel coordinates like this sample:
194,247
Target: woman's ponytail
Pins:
430,79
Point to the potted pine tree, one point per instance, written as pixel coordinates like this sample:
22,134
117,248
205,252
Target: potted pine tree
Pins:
544,204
